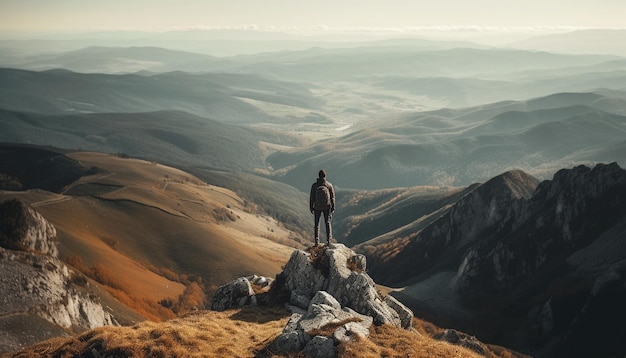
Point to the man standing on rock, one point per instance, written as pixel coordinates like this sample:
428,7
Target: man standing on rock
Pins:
322,201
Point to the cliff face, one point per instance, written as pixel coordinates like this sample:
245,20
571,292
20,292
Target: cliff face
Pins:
528,264
39,299
576,208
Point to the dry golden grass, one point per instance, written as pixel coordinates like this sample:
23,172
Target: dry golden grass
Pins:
245,332
237,333
387,341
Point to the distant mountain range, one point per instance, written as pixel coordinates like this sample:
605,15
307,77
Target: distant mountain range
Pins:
442,147
213,96
169,137
458,147
587,41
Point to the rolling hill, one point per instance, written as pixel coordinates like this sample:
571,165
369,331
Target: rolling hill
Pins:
168,137
121,60
215,96
458,147
153,229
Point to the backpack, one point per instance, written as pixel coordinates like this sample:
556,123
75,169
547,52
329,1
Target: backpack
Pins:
322,198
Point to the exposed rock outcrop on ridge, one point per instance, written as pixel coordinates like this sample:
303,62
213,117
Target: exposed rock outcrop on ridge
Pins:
36,287
331,297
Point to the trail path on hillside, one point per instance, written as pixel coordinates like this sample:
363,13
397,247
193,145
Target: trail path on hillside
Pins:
51,201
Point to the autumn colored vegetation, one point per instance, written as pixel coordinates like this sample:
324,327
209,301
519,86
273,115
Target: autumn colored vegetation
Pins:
192,298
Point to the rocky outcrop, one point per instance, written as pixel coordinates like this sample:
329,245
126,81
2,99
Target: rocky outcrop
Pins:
35,284
341,272
240,292
321,327
24,229
331,297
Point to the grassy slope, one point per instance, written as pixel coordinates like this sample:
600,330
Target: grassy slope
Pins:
145,228
243,332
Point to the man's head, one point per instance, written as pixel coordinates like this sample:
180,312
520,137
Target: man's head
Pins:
322,173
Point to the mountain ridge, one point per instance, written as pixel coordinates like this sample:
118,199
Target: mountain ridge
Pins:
505,254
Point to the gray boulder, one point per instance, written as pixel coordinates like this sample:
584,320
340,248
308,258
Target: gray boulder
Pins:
291,339
301,275
236,293
405,314
317,332
320,347
24,229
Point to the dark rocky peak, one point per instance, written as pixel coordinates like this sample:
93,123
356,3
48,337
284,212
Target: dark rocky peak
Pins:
530,268
552,256
509,186
485,207
516,182
565,214
582,181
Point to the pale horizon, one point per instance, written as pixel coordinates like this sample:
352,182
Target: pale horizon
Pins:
401,16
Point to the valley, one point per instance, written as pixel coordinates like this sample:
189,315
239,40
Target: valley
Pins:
483,184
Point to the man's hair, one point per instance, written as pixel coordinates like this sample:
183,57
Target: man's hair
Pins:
322,173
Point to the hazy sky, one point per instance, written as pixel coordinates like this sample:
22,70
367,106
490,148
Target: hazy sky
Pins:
47,15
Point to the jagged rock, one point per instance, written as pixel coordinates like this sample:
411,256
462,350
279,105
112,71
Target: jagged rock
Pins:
39,286
321,328
320,347
301,275
236,293
260,281
291,339
354,289
325,312
349,330
24,229
299,299
35,283
405,314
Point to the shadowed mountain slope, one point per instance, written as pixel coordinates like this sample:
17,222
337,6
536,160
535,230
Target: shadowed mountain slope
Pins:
26,167
525,265
215,96
168,137
385,215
